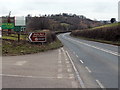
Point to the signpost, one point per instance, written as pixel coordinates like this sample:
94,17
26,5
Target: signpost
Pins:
20,23
7,25
17,28
37,37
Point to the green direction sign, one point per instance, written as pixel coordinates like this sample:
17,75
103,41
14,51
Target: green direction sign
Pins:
7,25
17,28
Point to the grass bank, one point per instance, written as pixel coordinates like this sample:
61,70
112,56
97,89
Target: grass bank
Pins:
13,48
109,34
117,43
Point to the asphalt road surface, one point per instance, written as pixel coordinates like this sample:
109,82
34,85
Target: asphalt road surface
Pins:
97,63
79,64
50,69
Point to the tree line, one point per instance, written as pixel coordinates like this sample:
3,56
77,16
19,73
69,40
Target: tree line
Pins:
60,22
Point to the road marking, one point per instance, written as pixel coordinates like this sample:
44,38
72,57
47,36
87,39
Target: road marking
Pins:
102,49
105,50
34,77
88,69
100,84
77,56
76,71
59,76
62,49
64,54
23,76
71,76
81,61
69,70
59,51
59,56
20,63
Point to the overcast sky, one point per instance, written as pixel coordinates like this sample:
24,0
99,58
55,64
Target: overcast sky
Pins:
93,9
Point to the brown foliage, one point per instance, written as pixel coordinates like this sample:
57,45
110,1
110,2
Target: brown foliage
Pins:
106,33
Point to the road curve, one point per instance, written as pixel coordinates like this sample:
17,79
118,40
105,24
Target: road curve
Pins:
96,62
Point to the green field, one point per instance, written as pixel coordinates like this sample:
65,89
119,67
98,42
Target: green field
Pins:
15,37
109,33
10,45
14,48
108,25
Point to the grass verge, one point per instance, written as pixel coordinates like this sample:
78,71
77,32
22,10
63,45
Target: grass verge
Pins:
13,48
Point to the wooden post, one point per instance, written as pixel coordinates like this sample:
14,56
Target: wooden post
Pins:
18,37
19,32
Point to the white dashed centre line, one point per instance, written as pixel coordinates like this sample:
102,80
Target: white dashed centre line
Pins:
99,83
81,61
88,69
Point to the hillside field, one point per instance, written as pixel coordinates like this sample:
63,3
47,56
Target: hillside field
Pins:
109,33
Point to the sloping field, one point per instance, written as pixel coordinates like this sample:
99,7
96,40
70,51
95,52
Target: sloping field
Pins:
110,32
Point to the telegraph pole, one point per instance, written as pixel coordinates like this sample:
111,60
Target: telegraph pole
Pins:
9,21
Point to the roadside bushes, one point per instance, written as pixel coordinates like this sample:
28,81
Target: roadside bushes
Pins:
13,47
50,36
106,33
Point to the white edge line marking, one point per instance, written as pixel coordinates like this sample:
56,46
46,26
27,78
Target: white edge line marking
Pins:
99,83
81,61
76,71
88,69
105,50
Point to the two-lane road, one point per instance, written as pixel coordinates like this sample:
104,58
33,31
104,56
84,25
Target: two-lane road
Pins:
97,63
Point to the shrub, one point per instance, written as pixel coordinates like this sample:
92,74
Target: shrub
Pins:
106,33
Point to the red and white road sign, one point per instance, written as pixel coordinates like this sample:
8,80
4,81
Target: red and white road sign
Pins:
37,37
